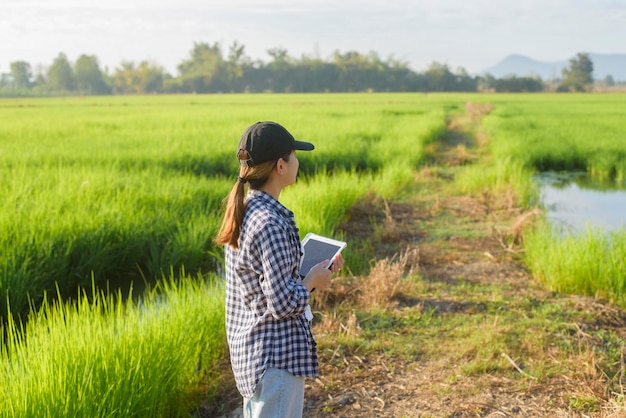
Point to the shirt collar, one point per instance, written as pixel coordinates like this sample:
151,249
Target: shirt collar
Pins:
270,201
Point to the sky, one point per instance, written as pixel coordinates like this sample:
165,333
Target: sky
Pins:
473,34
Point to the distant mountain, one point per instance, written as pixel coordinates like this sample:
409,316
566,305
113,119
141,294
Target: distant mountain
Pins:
523,66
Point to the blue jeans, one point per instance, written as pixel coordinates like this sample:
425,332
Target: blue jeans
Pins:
279,394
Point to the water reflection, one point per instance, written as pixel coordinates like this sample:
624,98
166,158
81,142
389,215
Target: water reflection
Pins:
576,201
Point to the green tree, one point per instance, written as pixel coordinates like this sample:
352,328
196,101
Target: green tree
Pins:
513,84
144,78
487,83
440,78
465,82
22,74
205,71
579,75
279,71
399,76
236,66
5,80
125,79
359,72
151,76
60,74
311,74
40,72
89,77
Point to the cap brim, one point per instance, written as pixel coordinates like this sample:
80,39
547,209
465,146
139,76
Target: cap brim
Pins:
303,146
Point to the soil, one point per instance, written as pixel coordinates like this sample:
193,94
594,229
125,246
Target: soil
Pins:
373,385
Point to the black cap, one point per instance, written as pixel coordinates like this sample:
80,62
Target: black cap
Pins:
267,141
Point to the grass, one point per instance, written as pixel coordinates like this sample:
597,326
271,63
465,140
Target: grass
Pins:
67,227
490,329
589,263
507,178
468,334
556,133
122,189
102,356
526,341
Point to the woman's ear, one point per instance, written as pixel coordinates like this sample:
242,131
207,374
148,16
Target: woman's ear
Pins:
280,166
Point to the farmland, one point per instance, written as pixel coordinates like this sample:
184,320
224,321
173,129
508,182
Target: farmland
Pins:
125,192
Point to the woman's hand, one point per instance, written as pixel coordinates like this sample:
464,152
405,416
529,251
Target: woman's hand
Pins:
319,276
337,263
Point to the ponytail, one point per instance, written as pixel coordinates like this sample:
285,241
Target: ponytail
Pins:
255,176
233,217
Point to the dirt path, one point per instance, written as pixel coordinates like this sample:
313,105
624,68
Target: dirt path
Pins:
376,385
459,275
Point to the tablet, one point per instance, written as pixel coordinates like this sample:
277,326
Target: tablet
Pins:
317,249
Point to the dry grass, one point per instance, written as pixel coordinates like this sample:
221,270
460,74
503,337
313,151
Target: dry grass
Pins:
384,281
389,229
474,112
378,289
511,238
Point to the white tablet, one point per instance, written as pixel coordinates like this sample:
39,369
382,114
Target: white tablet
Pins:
317,249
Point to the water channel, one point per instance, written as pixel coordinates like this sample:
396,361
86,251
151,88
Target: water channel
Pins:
575,201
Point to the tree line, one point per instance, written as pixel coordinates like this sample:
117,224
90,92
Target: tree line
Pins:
209,69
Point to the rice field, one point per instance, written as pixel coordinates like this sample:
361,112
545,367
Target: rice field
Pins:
567,133
101,356
109,192
562,133
105,192
111,189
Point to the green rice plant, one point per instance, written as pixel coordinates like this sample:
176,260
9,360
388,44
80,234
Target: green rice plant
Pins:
403,150
69,227
123,188
609,166
105,189
504,177
321,203
591,262
100,356
371,134
554,132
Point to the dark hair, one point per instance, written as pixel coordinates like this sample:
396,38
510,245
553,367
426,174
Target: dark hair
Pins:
255,176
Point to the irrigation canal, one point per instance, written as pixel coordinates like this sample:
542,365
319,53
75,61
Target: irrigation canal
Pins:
575,201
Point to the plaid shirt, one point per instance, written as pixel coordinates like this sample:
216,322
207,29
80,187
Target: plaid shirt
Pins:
265,300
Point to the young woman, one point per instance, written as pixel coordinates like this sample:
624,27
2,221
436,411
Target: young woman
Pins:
268,327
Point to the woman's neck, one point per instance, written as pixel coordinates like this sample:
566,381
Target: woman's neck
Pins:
272,189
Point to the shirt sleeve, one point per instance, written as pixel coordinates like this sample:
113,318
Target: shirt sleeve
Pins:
280,283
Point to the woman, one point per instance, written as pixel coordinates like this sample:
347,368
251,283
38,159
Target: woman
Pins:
268,316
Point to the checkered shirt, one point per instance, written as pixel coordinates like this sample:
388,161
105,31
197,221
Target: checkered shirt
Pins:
265,300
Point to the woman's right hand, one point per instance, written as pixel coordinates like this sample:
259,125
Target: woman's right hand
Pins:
318,277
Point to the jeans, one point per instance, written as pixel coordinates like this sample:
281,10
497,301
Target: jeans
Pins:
279,394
